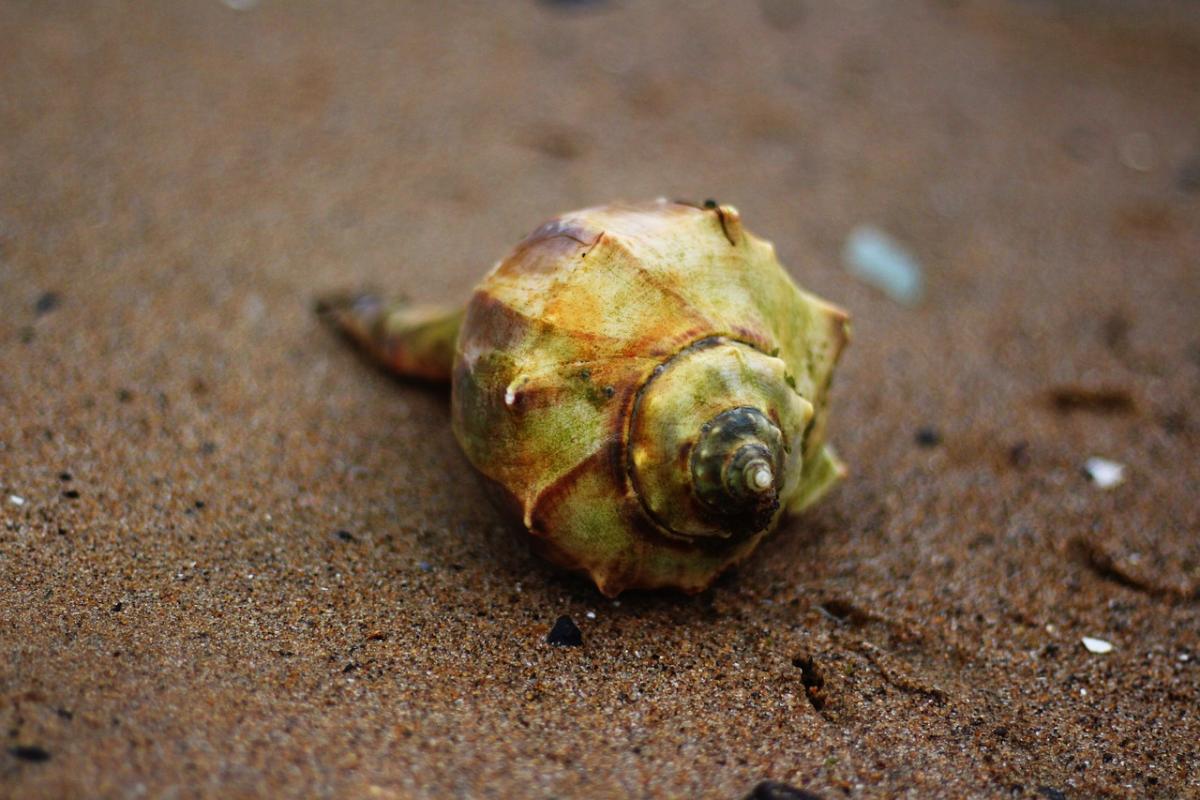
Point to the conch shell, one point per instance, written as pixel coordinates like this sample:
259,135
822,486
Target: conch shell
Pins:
643,386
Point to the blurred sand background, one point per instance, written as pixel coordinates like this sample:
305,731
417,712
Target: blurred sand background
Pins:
236,561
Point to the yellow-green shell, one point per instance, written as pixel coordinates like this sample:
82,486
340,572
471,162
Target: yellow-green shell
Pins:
559,341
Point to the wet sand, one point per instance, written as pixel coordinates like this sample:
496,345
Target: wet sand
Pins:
237,561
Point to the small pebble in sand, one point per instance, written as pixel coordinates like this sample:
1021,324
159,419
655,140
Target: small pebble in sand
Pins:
928,437
1018,455
876,258
590,615
46,303
1104,473
778,790
1098,646
29,752
16,500
565,633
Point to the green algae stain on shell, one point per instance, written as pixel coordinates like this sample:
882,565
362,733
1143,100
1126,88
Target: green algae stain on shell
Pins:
591,364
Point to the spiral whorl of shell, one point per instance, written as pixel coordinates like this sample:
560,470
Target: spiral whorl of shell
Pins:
715,439
735,468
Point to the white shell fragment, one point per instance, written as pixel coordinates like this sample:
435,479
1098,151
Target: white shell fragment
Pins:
876,258
1098,646
1104,473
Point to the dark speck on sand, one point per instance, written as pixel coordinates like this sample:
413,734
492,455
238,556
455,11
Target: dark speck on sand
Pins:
29,752
777,790
565,633
928,437
46,303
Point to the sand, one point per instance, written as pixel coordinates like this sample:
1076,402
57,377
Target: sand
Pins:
237,561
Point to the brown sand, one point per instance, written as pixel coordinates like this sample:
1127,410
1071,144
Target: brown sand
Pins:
271,571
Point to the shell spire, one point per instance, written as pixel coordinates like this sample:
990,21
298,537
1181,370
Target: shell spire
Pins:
736,466
709,458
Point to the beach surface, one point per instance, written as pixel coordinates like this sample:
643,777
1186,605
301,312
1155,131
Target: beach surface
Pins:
238,561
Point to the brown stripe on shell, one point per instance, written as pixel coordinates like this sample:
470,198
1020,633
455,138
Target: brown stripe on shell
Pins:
559,491
731,224
660,281
493,324
762,341
544,250
839,325
575,308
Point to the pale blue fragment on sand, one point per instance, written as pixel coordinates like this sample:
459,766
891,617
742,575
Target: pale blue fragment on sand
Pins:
878,259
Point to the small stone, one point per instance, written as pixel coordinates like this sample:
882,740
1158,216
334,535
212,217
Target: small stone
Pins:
876,258
565,633
71,494
345,536
46,303
16,500
778,790
29,752
1104,473
928,437
1097,645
